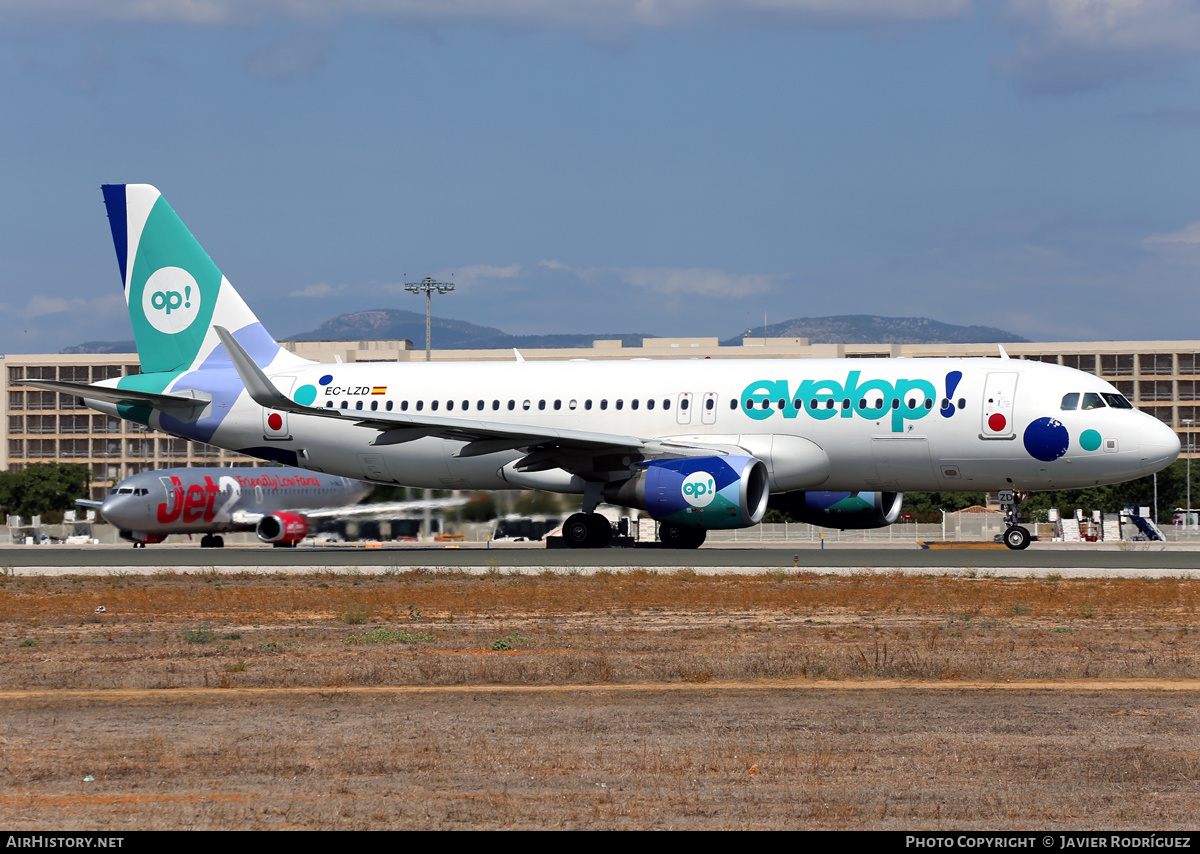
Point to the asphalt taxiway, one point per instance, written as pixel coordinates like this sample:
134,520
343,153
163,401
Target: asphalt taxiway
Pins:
1075,561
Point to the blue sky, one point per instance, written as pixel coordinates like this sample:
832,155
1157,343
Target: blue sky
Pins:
600,166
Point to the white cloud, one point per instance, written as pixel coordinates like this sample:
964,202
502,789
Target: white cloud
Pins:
1186,238
1082,44
97,307
318,290
582,13
699,281
674,281
475,273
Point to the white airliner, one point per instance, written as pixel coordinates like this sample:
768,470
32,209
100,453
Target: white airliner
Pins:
698,444
277,503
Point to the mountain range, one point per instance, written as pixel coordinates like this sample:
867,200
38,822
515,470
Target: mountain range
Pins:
389,324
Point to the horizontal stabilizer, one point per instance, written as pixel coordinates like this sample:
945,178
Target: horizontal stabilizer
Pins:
185,400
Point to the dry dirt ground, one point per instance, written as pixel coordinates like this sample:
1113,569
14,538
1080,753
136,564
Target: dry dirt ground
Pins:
637,700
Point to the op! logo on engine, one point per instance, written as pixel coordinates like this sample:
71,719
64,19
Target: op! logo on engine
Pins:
171,299
698,489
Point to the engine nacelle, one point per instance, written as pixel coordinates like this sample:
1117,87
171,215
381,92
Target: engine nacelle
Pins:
282,528
841,509
699,492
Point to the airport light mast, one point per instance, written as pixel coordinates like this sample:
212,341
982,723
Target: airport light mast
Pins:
428,285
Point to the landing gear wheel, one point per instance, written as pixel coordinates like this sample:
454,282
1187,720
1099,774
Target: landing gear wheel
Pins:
599,531
206,542
576,531
1016,538
218,542
681,536
587,531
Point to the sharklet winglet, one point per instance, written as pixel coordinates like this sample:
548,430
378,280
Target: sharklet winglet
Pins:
1003,352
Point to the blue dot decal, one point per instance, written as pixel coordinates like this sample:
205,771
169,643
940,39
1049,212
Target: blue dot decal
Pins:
326,380
1046,439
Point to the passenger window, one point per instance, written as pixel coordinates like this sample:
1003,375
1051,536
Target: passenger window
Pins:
358,404
404,406
732,403
780,404
666,403
895,403
495,405
541,404
479,405
846,403
1091,400
650,403
572,405
1070,401
557,405
929,403
829,404
812,404
389,406
449,406
962,404
683,404
709,404
329,404
587,404
467,405
633,404
374,405
525,404
799,404
433,405
512,404
604,404
620,404
345,405
420,405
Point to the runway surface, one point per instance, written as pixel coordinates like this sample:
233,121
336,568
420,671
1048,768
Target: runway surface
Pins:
1073,561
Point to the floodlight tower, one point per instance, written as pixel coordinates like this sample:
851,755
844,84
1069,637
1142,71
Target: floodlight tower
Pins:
428,285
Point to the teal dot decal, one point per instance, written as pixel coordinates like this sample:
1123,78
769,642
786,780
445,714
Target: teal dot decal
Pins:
306,394
1089,440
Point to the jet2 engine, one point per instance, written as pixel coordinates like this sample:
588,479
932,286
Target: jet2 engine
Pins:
282,529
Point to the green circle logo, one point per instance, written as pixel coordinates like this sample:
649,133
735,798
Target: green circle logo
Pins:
306,394
1089,440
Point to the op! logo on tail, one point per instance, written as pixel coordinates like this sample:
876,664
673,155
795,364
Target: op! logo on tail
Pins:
171,299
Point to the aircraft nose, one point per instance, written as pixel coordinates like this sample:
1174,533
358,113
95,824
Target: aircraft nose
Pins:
1159,446
115,510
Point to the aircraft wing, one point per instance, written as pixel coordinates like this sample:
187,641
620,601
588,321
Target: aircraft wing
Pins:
382,508
88,503
186,400
482,437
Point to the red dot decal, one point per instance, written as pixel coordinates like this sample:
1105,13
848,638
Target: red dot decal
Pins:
996,422
275,421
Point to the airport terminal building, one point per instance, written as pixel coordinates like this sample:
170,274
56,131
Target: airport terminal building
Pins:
1159,377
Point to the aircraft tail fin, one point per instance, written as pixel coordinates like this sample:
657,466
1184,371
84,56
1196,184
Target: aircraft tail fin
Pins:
175,293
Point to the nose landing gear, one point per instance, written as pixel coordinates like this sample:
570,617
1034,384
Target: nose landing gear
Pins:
1015,536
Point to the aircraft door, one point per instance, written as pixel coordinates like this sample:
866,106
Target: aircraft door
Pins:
708,414
275,423
999,396
683,408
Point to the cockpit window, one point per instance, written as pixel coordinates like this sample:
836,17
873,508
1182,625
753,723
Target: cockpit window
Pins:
1091,400
1070,401
1117,401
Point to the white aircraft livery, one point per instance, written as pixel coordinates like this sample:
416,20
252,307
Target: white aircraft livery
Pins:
699,444
277,503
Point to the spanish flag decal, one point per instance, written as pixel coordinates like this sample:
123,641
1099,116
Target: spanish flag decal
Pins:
379,389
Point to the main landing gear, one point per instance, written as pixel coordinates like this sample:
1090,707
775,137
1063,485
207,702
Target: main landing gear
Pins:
212,541
587,531
1015,536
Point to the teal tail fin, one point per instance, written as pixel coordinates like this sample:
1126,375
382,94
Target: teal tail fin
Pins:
175,293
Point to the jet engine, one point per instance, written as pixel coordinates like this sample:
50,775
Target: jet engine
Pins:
841,509
282,528
697,492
